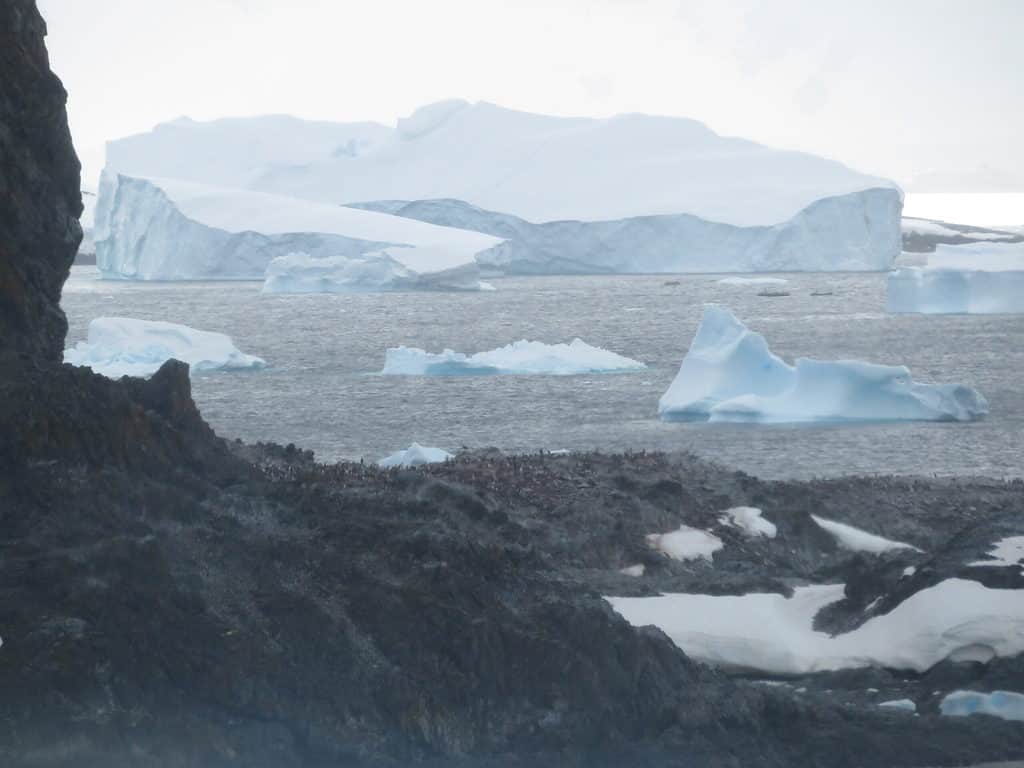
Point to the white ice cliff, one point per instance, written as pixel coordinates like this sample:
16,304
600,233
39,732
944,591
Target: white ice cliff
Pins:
124,346
164,229
632,193
729,374
979,278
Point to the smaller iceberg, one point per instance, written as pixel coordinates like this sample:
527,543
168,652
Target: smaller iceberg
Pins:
1004,704
730,375
123,346
980,278
377,271
415,455
521,357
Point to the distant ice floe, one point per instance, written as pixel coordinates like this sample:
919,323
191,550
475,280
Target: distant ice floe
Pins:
1005,552
978,278
686,543
773,634
856,540
123,346
521,357
730,375
903,704
752,281
1003,704
374,271
748,520
414,456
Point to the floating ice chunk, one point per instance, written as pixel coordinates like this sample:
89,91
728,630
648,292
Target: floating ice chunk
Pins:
1005,552
375,271
633,570
749,520
979,278
730,375
773,634
905,704
1004,704
521,357
857,540
686,543
123,346
752,281
414,456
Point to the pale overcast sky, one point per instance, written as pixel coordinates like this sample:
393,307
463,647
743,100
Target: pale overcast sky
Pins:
925,90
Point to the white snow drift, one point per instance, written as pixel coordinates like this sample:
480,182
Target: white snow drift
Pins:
769,633
1003,704
686,543
1005,552
729,374
163,229
856,540
414,456
631,193
978,278
123,346
520,357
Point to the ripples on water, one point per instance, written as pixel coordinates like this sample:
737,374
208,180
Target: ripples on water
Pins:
322,392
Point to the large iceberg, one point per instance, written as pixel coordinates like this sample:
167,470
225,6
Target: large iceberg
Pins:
124,346
374,271
631,193
770,633
729,374
166,229
520,357
980,278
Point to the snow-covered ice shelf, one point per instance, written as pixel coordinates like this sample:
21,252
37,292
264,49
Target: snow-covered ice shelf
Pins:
123,346
730,375
521,357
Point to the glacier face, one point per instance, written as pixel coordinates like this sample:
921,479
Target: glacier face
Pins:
859,231
730,375
632,193
124,346
979,278
163,229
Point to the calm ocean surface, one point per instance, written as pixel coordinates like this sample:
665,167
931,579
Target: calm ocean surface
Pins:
322,391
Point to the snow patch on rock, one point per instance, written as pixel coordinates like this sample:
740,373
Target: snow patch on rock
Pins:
414,456
856,540
748,520
686,543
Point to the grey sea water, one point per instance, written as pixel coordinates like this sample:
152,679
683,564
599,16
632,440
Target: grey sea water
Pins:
322,391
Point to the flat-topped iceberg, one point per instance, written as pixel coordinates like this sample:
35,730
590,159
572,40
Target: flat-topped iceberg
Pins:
773,634
165,229
375,271
631,193
980,278
520,357
729,374
124,346
414,456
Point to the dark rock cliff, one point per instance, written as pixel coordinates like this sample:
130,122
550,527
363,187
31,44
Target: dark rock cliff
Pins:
40,200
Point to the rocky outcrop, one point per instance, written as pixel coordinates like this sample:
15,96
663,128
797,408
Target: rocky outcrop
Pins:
40,200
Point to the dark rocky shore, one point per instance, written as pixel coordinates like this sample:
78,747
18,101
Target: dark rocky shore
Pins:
170,598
